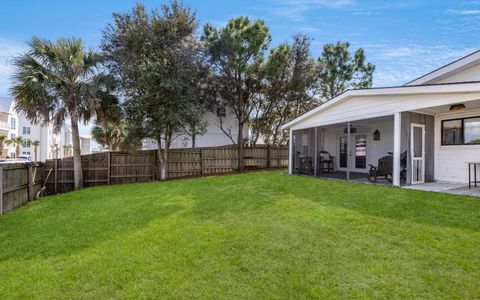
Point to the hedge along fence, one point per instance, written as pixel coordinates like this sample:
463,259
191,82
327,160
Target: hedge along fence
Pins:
107,168
19,183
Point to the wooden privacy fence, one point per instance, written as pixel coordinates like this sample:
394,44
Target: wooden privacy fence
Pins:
106,168
19,183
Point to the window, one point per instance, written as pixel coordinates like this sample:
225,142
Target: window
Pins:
464,131
26,143
13,123
343,152
471,131
26,130
26,152
361,151
12,136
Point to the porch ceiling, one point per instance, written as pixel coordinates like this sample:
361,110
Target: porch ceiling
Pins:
469,105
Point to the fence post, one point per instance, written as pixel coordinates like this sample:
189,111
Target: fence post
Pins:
109,163
1,191
201,161
269,157
155,164
30,182
55,176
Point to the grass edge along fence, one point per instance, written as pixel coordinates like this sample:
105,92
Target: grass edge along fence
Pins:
106,168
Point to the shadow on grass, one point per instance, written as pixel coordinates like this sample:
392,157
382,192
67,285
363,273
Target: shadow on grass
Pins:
62,225
248,192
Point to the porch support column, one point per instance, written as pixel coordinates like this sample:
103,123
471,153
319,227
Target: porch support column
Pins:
349,139
397,131
315,153
290,153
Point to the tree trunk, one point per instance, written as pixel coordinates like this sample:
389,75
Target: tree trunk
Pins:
241,163
17,151
194,136
35,153
162,160
77,158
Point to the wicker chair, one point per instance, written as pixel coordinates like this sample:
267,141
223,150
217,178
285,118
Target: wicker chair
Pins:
384,169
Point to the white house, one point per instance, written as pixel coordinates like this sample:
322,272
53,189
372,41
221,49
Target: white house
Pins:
432,123
214,136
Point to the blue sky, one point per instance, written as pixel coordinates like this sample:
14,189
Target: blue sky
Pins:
404,39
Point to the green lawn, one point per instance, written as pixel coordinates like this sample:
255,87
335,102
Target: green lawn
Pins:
254,235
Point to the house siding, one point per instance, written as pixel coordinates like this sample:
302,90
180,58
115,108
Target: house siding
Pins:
451,161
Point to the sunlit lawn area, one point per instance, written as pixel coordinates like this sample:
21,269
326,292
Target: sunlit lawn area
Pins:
254,235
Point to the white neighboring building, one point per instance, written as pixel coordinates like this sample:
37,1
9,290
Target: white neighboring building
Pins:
8,124
213,137
52,144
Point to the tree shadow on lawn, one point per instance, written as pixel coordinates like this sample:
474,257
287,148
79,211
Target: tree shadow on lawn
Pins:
65,224
257,190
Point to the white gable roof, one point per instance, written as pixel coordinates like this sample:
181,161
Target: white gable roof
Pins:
468,65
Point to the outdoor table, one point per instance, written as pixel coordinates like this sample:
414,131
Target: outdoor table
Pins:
475,181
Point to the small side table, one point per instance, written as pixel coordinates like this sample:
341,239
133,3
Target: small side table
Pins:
474,165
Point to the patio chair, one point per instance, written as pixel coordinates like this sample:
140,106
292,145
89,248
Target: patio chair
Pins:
305,165
325,162
384,168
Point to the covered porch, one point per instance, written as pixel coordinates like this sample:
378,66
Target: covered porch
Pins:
394,150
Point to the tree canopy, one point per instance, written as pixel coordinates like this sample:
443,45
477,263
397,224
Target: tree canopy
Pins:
157,60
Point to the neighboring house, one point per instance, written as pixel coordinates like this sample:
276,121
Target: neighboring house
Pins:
214,136
431,127
52,144
85,143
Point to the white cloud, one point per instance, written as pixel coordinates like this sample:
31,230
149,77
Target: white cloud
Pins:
398,65
295,10
464,11
8,49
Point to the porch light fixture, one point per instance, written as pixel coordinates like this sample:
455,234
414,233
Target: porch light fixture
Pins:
352,130
457,106
376,135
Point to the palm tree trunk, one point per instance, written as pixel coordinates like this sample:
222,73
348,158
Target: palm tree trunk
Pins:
77,158
35,153
17,151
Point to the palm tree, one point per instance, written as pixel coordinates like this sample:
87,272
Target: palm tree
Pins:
17,141
3,138
58,81
110,134
35,144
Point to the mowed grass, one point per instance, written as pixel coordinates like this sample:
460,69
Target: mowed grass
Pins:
248,236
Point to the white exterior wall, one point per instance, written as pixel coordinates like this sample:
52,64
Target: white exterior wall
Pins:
470,74
450,161
213,137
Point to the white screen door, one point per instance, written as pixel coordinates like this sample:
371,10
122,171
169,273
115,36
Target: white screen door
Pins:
417,149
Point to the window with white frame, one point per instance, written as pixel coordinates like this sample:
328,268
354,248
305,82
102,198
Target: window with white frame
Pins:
26,130
13,123
26,143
